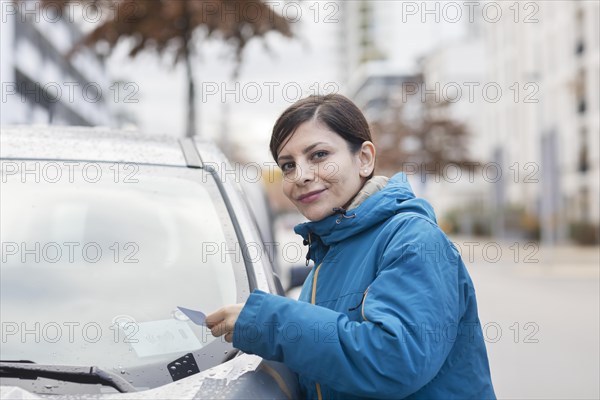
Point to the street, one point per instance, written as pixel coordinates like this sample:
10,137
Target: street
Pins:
540,316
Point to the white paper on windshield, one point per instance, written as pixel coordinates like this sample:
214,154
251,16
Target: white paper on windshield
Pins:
162,337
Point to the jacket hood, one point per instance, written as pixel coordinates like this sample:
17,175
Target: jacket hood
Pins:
396,197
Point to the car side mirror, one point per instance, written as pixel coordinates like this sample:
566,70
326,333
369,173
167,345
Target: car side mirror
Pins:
298,275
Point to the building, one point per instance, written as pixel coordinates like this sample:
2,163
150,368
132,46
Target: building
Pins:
381,31
544,130
534,118
39,83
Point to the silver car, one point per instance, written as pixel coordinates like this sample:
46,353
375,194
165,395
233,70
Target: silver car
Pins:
106,237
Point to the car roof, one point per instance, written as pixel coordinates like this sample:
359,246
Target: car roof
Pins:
93,144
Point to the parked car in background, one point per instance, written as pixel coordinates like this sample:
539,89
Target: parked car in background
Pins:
104,235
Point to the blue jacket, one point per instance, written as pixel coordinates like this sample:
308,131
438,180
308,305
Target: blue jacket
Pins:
393,311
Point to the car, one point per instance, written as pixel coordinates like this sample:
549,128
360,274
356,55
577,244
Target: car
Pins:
292,267
109,238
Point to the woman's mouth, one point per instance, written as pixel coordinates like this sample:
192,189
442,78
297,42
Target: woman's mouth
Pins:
310,196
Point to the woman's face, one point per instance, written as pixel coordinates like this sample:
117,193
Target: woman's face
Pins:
319,171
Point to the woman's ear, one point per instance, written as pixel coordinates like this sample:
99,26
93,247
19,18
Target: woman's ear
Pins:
366,157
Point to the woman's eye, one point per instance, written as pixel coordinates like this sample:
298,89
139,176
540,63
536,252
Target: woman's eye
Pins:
287,167
319,154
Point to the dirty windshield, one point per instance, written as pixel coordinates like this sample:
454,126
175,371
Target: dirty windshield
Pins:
96,258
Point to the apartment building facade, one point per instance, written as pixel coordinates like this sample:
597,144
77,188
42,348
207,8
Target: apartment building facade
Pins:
40,84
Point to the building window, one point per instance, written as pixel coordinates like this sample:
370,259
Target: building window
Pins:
580,94
584,204
579,47
580,27
583,164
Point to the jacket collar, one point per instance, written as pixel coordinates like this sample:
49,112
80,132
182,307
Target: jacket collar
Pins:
373,185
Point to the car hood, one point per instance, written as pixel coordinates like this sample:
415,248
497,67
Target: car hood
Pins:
246,376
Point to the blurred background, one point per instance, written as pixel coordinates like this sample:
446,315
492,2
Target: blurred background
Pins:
492,109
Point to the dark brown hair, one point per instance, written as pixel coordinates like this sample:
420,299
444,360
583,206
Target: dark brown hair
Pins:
337,112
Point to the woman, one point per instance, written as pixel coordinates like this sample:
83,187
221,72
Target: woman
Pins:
389,310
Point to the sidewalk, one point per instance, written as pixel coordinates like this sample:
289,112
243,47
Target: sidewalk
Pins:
530,257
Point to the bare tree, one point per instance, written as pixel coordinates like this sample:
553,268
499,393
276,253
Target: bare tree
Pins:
177,25
429,140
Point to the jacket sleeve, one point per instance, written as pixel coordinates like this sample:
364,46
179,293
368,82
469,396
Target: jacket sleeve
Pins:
409,313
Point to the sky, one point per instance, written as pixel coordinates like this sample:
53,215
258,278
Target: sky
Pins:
274,73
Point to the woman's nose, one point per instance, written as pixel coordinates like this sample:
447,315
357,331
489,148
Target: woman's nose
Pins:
305,174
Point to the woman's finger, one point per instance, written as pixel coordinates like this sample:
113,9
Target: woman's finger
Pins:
223,320
218,330
222,328
216,317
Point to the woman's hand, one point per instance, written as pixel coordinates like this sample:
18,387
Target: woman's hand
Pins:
222,321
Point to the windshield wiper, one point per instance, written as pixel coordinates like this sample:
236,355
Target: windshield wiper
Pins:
93,375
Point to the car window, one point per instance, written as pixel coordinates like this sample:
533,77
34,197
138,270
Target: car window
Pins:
96,257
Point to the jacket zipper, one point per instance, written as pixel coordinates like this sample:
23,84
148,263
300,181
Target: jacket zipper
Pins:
313,300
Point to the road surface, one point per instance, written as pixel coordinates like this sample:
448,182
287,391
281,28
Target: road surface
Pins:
540,309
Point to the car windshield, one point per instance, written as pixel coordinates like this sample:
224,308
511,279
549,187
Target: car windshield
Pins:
96,258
